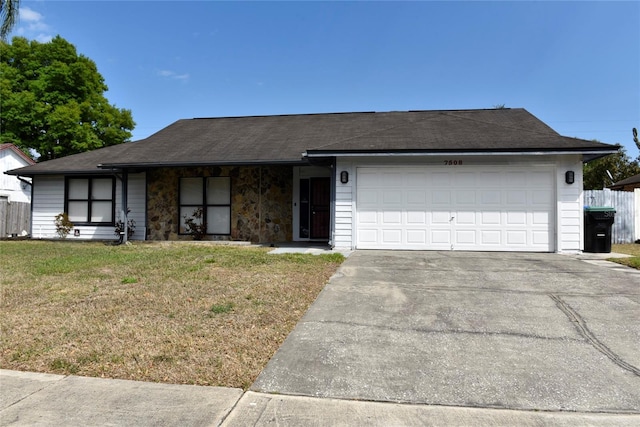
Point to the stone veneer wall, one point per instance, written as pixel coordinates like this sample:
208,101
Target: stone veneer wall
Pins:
261,199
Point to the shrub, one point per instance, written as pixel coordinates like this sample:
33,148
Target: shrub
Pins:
63,225
195,224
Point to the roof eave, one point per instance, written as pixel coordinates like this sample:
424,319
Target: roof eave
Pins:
16,172
428,153
146,165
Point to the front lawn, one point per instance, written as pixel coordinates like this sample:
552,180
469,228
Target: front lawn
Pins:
177,313
629,249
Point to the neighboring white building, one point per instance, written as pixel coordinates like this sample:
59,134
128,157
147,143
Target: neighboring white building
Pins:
14,188
15,193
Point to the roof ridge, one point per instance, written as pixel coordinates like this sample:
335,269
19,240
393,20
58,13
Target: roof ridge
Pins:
287,115
553,131
350,112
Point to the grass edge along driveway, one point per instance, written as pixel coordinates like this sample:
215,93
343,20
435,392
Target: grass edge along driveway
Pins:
629,249
184,314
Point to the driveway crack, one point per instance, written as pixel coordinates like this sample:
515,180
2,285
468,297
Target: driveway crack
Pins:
581,325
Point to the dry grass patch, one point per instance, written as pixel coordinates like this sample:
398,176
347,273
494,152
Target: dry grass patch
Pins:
187,314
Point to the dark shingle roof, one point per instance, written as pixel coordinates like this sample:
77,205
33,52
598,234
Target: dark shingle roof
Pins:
284,139
635,179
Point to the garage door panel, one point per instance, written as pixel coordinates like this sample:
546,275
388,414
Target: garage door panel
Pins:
391,236
541,218
391,217
490,179
391,179
440,217
438,208
368,179
540,237
540,179
440,179
465,237
368,236
417,198
465,197
516,237
516,218
367,197
490,218
516,197
414,218
441,197
540,197
490,197
440,237
465,179
417,237
368,217
515,180
491,237
392,197
416,179
465,218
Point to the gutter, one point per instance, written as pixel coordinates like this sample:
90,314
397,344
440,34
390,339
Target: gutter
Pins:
203,164
21,179
313,154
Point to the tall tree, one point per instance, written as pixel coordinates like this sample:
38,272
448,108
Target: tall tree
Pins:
52,100
8,16
619,165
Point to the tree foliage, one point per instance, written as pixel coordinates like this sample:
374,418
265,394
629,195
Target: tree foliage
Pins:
52,100
620,165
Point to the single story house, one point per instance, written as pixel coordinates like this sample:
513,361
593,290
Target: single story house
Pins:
472,180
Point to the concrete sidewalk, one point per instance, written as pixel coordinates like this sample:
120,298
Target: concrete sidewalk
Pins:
32,399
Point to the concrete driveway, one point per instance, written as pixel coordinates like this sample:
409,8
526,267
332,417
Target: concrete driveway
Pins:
497,330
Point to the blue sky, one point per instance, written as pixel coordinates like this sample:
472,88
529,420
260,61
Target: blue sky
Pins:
575,65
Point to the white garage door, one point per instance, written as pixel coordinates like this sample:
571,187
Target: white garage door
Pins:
476,208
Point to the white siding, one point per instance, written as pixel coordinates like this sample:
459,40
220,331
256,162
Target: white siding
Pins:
10,186
569,233
344,211
48,201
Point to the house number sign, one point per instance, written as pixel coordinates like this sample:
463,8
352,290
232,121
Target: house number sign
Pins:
453,162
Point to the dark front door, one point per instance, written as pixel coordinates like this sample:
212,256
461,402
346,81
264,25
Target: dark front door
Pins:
320,203
315,208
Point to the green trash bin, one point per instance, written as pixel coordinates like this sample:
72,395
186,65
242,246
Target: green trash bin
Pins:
597,228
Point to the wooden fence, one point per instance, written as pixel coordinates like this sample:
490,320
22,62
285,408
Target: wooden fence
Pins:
623,229
15,217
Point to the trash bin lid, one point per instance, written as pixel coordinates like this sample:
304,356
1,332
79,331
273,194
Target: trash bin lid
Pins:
599,209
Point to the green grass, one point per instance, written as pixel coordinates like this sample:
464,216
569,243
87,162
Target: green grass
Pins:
187,314
222,308
629,249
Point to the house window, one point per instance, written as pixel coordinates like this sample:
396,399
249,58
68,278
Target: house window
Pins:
89,200
212,195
